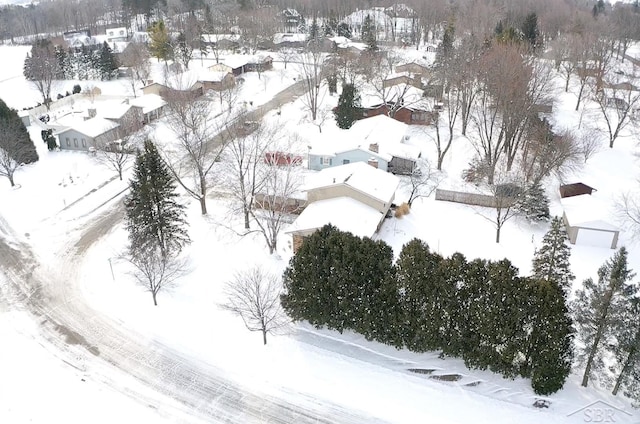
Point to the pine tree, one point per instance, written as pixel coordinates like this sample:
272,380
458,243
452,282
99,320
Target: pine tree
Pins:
548,348
108,64
348,109
598,311
627,348
533,203
445,49
454,270
343,30
531,31
184,50
368,34
551,261
155,219
160,42
21,148
63,64
314,29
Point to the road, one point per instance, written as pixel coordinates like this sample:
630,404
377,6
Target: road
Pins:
84,338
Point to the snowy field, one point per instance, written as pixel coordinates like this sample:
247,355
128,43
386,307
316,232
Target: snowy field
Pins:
63,190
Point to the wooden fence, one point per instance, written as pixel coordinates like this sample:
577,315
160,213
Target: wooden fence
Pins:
474,199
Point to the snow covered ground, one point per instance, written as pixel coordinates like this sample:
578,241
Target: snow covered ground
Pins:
65,191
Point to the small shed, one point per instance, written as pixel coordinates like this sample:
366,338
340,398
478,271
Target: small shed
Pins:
585,219
576,189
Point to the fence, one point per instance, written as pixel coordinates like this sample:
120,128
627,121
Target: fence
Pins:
475,199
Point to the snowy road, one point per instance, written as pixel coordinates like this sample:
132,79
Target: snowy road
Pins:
105,348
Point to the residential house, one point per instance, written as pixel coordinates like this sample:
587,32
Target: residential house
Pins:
222,41
153,107
322,157
216,81
122,112
238,65
88,134
405,103
414,68
117,34
402,78
354,197
194,89
292,40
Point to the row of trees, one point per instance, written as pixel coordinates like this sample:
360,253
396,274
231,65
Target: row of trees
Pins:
479,310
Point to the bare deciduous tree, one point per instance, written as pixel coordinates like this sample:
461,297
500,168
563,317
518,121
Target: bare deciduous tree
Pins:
505,191
276,201
254,295
422,182
136,58
156,272
117,154
197,150
311,67
616,106
42,68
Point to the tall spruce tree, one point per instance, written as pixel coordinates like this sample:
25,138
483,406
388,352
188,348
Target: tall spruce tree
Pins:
598,310
530,30
369,35
154,218
533,204
348,109
548,349
455,269
551,261
160,41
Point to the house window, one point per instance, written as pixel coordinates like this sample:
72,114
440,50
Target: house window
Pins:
418,116
325,161
84,143
346,161
75,142
68,142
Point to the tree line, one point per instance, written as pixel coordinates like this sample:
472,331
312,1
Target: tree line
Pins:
482,311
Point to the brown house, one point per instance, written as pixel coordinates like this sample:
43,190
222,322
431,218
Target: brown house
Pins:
408,114
414,68
402,79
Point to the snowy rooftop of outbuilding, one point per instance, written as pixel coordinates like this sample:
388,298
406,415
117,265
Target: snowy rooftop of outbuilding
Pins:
289,37
360,176
587,211
344,213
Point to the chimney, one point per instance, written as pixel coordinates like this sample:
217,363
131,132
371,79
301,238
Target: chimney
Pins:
373,162
92,112
374,147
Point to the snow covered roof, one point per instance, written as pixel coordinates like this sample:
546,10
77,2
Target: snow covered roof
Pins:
378,184
93,127
113,109
148,102
387,133
212,76
340,40
293,37
587,211
373,154
214,38
344,213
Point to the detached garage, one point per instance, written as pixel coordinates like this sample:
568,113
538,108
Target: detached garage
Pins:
583,216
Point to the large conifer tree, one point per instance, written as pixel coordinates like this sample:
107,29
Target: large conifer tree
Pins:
348,109
368,34
20,146
551,261
155,219
598,310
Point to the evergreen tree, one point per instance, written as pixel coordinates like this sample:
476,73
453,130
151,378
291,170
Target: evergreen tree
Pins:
551,261
495,315
108,64
183,50
498,29
548,349
421,286
598,310
154,218
160,42
627,348
369,35
445,50
314,29
533,203
21,148
348,110
343,30
63,64
332,83
454,271
530,30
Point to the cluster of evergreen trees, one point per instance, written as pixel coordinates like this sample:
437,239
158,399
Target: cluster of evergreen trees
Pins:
14,137
87,63
480,310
